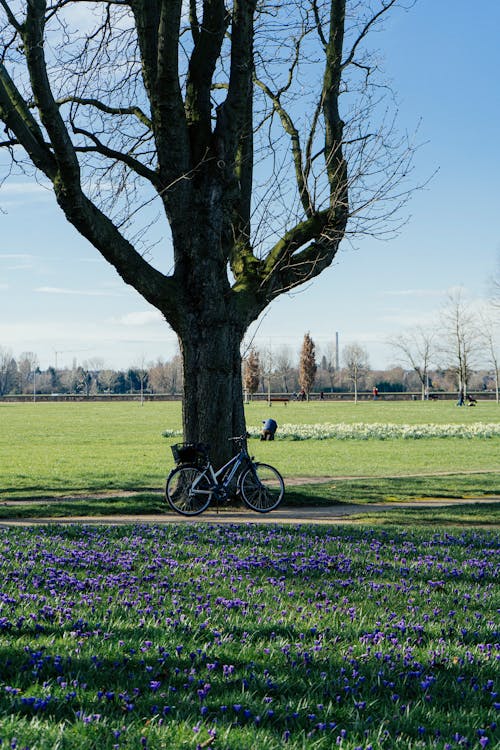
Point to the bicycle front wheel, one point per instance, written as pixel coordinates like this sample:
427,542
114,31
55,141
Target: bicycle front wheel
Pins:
262,487
188,490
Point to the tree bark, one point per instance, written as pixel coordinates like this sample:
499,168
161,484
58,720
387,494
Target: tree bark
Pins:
210,323
212,398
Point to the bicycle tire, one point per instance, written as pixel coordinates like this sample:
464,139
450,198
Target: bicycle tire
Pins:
262,487
179,491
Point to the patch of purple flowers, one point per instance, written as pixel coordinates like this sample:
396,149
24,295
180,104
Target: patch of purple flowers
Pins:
311,635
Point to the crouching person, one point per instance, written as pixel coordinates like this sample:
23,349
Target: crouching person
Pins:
269,429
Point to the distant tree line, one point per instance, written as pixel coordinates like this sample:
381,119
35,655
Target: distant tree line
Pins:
446,357
23,376
423,362
277,371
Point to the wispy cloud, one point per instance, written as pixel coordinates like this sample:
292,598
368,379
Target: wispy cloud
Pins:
410,319
15,193
74,292
420,293
17,261
16,256
97,259
144,318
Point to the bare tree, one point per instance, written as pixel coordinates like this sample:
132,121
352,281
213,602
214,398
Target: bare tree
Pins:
330,362
251,372
26,366
266,360
417,349
461,345
107,379
284,367
92,367
495,286
129,108
307,364
356,362
489,339
141,370
8,371
166,377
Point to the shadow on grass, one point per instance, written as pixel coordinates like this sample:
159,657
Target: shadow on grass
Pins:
144,503
292,681
478,514
392,489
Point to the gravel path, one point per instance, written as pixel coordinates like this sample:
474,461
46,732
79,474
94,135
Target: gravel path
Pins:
295,515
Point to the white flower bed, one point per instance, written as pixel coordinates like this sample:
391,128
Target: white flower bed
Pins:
375,431
381,431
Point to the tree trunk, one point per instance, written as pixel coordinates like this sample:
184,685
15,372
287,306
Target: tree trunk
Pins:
213,394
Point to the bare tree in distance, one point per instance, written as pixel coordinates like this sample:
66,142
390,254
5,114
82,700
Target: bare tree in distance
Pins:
258,134
307,364
141,370
462,341
417,348
166,377
251,372
107,379
356,363
26,367
284,367
8,371
489,330
331,356
495,286
266,359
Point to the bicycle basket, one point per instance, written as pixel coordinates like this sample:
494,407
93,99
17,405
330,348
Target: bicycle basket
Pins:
190,453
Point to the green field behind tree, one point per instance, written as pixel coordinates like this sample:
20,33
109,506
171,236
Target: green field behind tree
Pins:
54,449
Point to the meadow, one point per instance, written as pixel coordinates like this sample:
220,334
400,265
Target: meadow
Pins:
242,637
382,633
56,449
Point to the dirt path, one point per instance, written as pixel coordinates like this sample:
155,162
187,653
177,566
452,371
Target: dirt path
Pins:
296,515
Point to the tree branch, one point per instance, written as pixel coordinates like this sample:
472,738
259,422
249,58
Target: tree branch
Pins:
11,17
157,23
49,111
291,130
302,253
136,111
200,73
232,115
134,164
18,118
373,20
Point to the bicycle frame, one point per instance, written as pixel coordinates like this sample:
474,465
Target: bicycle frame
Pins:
235,462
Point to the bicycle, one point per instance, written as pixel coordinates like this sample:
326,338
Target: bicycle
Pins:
194,483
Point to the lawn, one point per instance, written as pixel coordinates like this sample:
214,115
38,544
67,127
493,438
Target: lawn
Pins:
243,637
378,634
64,448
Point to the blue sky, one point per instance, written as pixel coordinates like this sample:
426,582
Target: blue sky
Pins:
59,299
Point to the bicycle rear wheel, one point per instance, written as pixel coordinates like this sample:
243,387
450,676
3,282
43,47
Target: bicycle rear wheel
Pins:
188,490
262,487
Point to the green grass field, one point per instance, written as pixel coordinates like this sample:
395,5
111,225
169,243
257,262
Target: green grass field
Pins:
59,449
